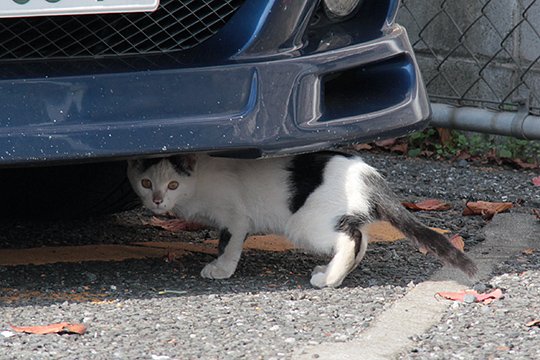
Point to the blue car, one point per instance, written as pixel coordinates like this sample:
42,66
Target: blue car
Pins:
85,85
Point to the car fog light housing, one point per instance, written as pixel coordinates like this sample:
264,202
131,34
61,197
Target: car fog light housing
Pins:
340,9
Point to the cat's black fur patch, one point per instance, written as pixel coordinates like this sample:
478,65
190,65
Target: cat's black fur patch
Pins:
145,164
224,238
351,225
183,164
306,175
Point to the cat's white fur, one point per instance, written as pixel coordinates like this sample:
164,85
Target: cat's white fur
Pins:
252,196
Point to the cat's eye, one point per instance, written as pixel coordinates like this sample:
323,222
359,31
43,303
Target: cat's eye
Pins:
173,185
146,183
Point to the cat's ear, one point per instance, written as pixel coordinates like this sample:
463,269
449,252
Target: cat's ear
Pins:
136,164
184,164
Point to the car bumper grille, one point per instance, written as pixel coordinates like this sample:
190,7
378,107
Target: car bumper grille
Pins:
175,26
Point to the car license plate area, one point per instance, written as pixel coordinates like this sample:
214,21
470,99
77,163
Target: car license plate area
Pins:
25,8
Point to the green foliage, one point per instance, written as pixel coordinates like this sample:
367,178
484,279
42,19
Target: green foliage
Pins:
518,148
414,152
430,143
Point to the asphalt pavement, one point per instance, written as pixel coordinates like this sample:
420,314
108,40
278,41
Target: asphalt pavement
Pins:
154,305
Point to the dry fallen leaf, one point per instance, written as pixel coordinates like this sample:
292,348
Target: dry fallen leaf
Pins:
427,153
174,224
424,250
400,148
359,147
384,231
463,155
428,205
458,242
58,328
528,251
445,135
269,242
531,323
524,165
486,298
456,296
485,208
536,181
387,143
536,213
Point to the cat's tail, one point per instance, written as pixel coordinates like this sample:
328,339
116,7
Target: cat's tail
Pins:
388,207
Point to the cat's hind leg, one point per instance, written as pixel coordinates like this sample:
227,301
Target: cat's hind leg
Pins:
229,252
349,249
342,263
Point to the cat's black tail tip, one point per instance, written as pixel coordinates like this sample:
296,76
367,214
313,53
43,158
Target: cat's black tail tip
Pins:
465,264
471,269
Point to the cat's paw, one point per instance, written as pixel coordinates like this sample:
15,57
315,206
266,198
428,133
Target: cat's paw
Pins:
216,270
318,279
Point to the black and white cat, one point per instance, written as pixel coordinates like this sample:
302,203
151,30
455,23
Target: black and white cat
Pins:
320,201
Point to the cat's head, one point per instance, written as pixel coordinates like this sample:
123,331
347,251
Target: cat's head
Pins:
162,182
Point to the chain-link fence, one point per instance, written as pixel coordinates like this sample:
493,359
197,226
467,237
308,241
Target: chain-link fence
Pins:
482,53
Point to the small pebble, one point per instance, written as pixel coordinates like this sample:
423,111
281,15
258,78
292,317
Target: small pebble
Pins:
480,287
469,299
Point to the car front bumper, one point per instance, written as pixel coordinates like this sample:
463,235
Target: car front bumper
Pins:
249,108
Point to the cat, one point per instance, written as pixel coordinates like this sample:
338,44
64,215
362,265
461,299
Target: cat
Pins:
320,201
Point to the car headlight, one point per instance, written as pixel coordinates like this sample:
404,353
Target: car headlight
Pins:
341,9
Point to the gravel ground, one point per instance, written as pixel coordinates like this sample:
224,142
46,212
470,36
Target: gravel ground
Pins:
457,181
268,308
224,324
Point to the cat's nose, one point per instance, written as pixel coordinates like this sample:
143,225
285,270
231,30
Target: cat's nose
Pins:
157,201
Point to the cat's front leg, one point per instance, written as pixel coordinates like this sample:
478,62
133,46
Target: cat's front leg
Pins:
230,249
